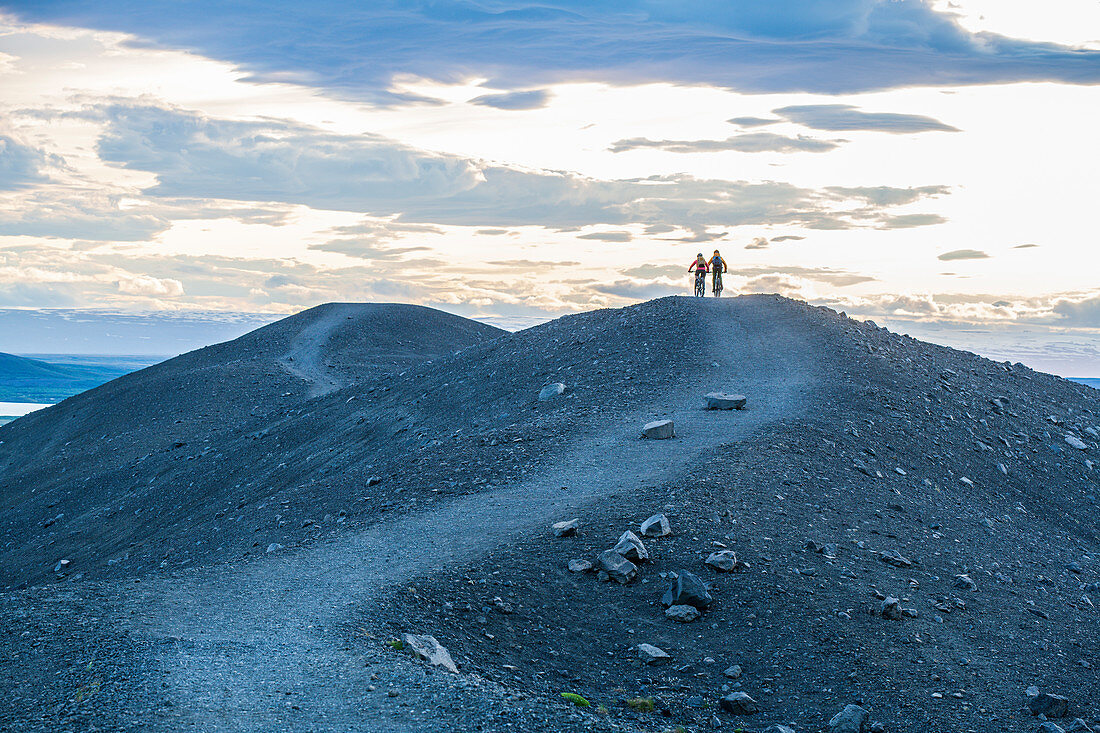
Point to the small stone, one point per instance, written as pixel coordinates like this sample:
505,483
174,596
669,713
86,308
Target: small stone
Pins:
1074,442
427,648
374,480
567,528
725,561
682,613
630,546
1048,727
723,401
551,391
733,672
689,590
778,728
656,526
659,430
61,565
580,566
1048,704
739,703
892,557
274,547
890,608
965,582
617,567
852,719
650,654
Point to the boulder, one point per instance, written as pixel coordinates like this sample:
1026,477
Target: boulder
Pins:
683,613
687,590
1050,705
427,648
650,654
890,608
852,719
617,567
723,401
739,703
580,566
551,391
778,728
630,546
725,561
733,672
1078,726
659,430
567,528
1048,727
656,526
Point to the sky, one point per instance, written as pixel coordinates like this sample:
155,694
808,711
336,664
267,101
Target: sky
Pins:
929,165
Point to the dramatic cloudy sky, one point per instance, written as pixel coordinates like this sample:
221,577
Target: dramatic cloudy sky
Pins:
928,164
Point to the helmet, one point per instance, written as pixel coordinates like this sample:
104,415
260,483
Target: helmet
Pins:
699,255
715,251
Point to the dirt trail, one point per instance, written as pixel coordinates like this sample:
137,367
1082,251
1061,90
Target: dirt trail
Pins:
238,645
303,358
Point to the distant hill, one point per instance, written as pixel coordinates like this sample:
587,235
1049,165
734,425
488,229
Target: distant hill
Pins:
54,378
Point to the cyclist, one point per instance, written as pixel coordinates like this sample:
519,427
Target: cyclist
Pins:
717,266
700,269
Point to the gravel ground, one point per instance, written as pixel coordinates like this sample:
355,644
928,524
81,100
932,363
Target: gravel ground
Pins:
406,485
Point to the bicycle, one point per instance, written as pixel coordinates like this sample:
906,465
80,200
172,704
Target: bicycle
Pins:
700,283
717,283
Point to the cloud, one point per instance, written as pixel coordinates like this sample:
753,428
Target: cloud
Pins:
21,165
1084,312
1025,246
356,50
963,254
909,221
751,142
608,236
842,117
277,161
699,235
69,214
514,100
151,286
787,238
637,290
534,264
752,121
758,243
839,278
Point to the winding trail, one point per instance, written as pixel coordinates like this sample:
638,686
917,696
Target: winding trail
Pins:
238,647
304,357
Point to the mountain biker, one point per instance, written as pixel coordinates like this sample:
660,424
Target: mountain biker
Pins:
700,269
717,266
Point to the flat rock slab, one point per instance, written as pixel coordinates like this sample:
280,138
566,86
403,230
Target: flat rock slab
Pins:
650,654
566,528
659,430
427,648
683,613
723,401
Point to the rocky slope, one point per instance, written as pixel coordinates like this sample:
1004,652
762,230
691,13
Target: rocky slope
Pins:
301,517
